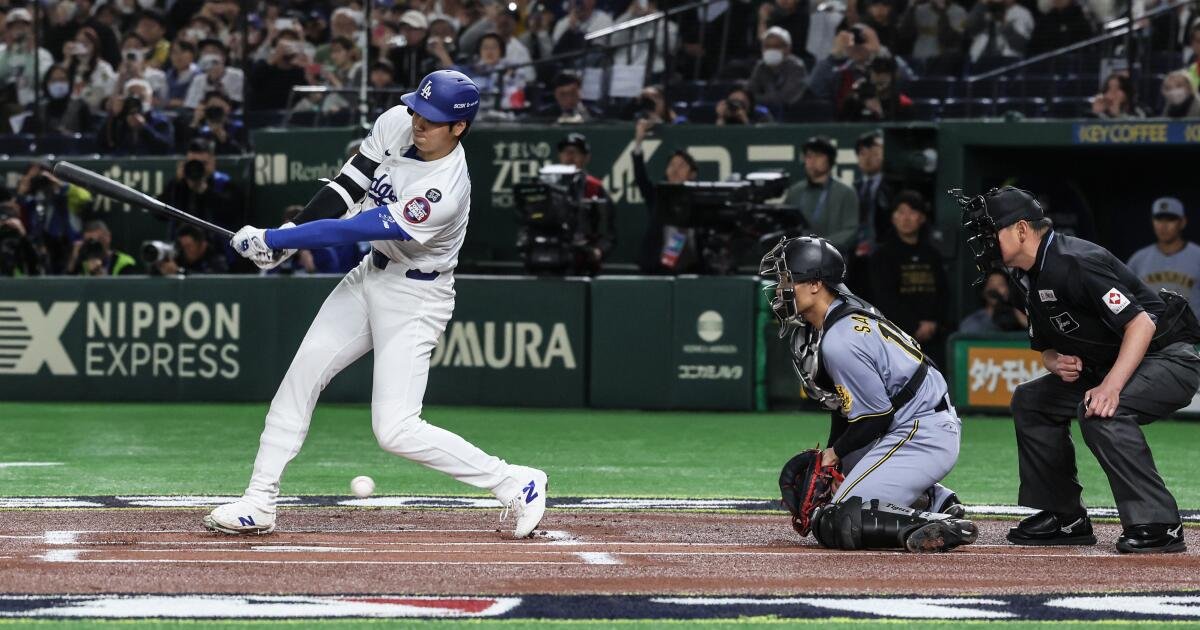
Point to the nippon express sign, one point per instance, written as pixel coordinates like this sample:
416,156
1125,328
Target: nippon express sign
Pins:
120,339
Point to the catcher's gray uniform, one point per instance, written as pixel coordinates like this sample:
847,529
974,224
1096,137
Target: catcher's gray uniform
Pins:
869,361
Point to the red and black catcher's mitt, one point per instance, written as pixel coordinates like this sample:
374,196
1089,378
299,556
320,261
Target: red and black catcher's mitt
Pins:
807,485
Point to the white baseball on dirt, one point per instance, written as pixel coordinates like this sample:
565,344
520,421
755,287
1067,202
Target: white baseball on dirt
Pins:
362,486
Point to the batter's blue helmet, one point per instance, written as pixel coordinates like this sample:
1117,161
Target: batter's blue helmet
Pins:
444,96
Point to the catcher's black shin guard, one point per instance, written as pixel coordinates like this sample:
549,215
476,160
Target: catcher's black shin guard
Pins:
850,525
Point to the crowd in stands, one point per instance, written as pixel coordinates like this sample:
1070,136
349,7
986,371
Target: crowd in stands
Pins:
148,76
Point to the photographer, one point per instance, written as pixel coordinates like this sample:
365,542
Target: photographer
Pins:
998,28
134,65
597,230
738,109
17,60
133,127
853,50
54,213
193,255
666,249
408,52
93,254
875,97
201,190
212,121
215,75
998,313
272,80
18,256
652,106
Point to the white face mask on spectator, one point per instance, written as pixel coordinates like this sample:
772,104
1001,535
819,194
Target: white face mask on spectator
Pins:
772,56
1176,96
58,89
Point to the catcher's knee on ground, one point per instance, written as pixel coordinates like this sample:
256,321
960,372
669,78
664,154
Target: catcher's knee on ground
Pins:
852,525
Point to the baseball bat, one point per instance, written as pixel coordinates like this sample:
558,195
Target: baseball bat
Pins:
116,190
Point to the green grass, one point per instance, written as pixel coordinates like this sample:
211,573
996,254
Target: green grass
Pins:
208,449
521,624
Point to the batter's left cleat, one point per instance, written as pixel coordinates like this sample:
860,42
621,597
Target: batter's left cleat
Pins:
240,517
941,535
529,505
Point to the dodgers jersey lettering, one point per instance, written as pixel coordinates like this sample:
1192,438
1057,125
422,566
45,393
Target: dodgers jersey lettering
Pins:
430,201
869,362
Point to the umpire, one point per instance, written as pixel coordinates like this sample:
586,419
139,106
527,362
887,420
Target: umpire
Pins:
1119,356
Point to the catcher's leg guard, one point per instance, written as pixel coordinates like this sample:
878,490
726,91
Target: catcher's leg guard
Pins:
850,525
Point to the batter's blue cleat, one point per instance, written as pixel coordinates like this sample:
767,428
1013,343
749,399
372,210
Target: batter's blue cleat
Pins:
529,505
240,517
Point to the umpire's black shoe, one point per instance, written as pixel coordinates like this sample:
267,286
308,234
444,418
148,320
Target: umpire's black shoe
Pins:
1152,538
1047,528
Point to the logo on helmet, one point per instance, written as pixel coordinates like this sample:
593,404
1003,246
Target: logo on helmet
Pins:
416,210
427,90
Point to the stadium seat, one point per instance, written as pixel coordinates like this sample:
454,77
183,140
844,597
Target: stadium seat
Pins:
1076,85
1069,107
965,108
925,108
702,112
932,87
1029,106
1043,85
14,144
809,110
71,144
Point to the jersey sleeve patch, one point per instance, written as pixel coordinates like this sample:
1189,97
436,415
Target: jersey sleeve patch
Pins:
847,400
1115,300
416,210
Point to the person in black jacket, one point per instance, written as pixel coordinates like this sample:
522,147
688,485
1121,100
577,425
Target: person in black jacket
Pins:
666,249
1063,25
907,279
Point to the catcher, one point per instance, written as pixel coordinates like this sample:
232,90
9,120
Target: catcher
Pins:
893,434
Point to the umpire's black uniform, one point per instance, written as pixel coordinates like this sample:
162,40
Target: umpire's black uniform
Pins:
1079,299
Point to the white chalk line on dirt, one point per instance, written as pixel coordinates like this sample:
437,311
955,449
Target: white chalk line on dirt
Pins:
63,559
597,557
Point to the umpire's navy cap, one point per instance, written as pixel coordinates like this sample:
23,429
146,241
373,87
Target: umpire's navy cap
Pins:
1008,205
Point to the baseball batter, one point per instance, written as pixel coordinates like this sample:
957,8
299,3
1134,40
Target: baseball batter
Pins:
407,191
893,431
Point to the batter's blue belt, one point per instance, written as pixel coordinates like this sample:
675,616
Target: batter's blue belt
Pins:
381,261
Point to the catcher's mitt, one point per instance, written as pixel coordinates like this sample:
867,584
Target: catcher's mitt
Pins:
807,485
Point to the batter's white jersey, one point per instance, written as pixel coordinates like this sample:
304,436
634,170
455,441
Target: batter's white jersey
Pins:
430,201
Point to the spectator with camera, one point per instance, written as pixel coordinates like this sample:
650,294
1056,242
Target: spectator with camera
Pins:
17,61
1116,101
133,126
998,314
652,106
201,190
738,108
54,213
344,22
582,18
907,279
875,97
273,79
215,74
214,121
1179,97
666,249
853,51
829,207
134,53
998,29
192,255
408,51
93,79
18,254
1062,24
538,39
780,78
93,254
568,106
932,29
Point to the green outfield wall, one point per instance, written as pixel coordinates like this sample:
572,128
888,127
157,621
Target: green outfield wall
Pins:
515,341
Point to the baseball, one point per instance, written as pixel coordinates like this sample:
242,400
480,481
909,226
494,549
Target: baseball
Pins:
362,486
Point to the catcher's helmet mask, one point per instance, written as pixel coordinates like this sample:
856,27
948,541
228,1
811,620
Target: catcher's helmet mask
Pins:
790,262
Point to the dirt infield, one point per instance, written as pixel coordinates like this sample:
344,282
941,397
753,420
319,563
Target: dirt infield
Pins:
467,552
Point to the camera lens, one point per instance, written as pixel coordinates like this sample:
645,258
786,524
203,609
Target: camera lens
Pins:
193,170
